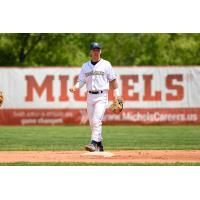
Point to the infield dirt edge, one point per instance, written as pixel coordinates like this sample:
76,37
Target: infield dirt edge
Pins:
119,156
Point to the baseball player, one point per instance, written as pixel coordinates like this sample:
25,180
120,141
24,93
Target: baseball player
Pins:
96,74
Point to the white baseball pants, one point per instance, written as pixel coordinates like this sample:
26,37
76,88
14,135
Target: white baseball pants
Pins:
96,106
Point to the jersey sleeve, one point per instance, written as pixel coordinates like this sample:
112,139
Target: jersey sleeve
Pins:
82,78
111,73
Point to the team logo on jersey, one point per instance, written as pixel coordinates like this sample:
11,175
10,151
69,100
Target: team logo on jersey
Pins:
94,73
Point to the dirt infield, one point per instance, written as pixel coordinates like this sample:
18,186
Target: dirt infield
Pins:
129,156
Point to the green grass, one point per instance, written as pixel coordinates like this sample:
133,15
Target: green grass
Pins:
115,137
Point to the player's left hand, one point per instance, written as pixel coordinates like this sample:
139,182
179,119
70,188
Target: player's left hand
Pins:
1,98
117,105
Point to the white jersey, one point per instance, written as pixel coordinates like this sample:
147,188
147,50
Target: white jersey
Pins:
97,76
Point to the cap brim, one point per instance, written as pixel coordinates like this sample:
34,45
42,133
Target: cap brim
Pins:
95,48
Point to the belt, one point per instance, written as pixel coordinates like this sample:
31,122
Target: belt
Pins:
96,92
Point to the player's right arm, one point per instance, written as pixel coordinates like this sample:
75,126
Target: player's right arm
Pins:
80,83
77,86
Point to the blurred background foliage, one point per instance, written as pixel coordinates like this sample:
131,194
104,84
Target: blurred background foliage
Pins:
121,49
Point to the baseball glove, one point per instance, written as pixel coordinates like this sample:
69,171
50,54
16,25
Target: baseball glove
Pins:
117,106
1,99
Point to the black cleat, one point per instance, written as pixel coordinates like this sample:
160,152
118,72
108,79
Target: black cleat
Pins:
100,146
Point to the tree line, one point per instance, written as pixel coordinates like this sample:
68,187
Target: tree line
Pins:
121,49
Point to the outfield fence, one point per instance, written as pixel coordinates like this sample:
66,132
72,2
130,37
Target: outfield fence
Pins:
152,95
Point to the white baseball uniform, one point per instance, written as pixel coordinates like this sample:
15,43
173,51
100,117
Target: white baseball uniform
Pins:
96,77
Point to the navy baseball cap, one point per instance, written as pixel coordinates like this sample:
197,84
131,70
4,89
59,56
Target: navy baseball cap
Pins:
95,45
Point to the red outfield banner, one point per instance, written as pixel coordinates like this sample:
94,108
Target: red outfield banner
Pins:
152,95
79,116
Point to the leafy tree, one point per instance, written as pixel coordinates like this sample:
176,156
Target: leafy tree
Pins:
122,49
